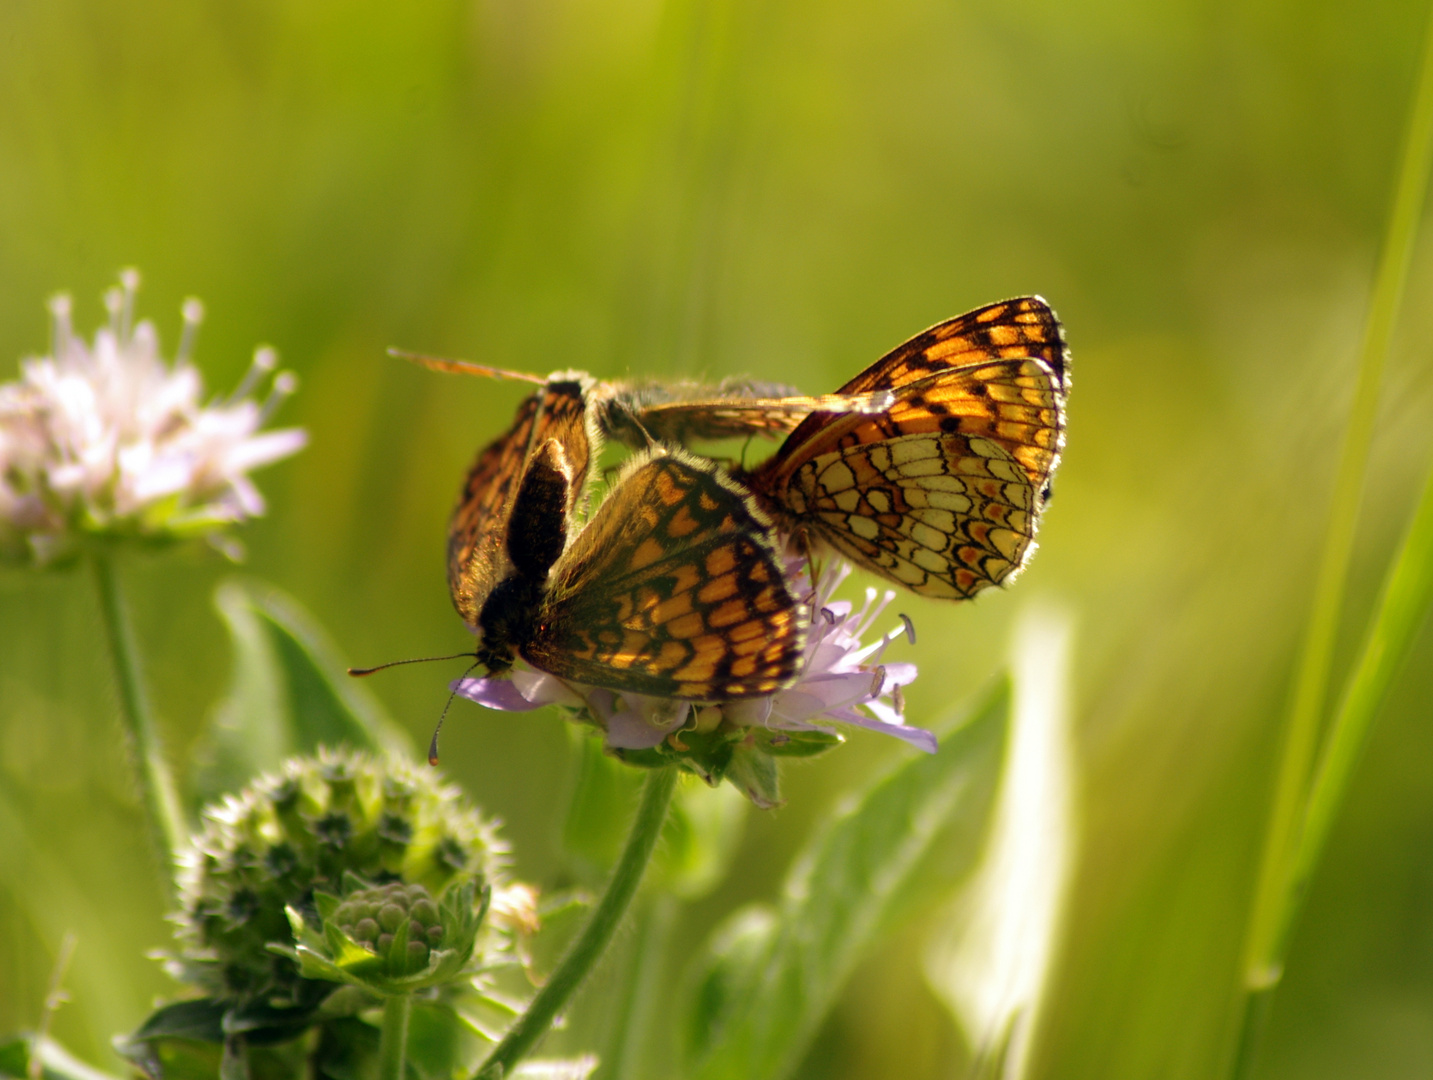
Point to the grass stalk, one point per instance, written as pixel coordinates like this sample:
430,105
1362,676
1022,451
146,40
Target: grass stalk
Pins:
1275,902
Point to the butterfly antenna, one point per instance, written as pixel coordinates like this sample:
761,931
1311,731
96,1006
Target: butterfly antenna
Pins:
465,367
359,672
433,744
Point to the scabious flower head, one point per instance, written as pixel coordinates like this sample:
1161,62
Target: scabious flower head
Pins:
841,680
108,439
333,826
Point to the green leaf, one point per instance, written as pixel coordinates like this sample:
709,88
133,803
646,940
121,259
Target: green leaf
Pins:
767,988
289,693
441,1044
201,1021
56,1063
742,941
348,1050
754,773
579,1068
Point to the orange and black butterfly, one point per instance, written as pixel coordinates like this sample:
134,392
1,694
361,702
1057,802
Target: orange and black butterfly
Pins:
578,412
942,492
674,588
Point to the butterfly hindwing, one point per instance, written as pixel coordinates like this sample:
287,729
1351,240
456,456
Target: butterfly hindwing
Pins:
674,589
941,492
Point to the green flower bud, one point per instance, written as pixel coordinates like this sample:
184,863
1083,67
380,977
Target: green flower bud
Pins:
410,944
342,824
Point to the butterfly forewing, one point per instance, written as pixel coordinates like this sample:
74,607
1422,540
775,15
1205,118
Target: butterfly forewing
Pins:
674,589
1009,330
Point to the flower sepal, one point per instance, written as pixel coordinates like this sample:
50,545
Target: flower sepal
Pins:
796,744
389,939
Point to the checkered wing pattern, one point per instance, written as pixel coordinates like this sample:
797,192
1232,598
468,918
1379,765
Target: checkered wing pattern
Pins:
477,532
674,589
941,493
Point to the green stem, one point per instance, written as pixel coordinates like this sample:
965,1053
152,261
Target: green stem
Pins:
585,951
393,1042
1274,905
156,784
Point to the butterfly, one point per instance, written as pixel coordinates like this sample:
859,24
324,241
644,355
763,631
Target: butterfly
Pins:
674,588
580,413
942,492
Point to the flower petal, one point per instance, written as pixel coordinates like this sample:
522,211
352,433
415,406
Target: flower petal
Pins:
494,693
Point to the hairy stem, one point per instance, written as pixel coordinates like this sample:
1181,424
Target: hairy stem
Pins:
156,783
393,1042
590,944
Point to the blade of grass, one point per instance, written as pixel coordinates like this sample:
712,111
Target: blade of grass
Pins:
1402,608
1270,918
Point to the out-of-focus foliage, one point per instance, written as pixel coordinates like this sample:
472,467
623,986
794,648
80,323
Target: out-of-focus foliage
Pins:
785,189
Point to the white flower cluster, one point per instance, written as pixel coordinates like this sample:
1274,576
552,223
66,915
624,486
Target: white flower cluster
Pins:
107,439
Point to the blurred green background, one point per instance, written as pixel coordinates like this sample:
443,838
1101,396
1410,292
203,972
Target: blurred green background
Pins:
785,189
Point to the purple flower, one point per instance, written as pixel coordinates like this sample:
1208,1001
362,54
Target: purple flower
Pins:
840,677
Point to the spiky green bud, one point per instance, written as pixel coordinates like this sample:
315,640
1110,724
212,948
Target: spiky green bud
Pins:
288,839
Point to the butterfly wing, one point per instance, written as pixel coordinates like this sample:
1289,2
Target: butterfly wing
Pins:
1014,329
674,589
941,493
735,408
478,531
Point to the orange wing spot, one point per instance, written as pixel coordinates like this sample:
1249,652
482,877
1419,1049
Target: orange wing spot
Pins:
720,561
682,523
670,609
728,614
646,553
746,631
671,654
688,626
744,668
667,490
714,592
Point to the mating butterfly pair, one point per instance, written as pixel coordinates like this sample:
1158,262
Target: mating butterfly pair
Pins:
930,468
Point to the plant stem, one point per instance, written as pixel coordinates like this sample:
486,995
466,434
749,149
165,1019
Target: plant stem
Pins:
156,784
393,1042
584,952
1274,905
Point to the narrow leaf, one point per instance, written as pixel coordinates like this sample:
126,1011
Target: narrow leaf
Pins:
56,1063
289,693
998,941
836,900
